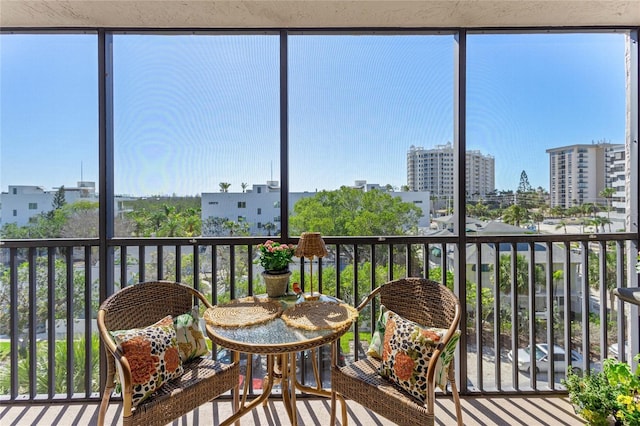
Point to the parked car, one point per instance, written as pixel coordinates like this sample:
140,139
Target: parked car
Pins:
542,359
614,350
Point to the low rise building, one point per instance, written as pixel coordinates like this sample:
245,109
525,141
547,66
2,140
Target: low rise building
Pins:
259,206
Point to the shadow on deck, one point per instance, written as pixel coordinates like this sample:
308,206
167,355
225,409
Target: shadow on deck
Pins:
477,410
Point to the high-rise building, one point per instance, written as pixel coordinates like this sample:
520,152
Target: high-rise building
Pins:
433,170
578,173
616,178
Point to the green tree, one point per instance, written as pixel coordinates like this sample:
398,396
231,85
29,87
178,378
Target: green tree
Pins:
558,211
608,194
41,287
167,220
610,271
214,226
269,227
43,226
80,219
537,217
599,222
524,185
224,186
521,274
515,214
562,224
42,367
352,212
59,199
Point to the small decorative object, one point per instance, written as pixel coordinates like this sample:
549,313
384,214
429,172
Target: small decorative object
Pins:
311,244
296,289
275,257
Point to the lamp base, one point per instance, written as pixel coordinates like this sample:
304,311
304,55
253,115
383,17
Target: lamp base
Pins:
312,296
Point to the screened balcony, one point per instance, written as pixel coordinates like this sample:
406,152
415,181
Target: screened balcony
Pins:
56,282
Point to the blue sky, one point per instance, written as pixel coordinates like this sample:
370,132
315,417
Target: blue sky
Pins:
193,111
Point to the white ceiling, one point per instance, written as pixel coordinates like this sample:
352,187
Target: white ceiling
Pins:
316,13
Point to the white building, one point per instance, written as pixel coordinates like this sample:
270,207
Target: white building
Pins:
616,177
260,205
22,202
578,173
433,169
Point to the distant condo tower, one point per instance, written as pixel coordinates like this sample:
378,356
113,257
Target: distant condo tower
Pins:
578,174
433,170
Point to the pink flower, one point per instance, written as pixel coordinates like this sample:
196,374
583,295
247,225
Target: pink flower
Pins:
274,256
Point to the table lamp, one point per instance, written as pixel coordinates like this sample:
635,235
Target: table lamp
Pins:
311,244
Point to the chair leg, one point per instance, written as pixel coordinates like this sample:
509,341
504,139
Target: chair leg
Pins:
456,396
104,405
343,409
333,409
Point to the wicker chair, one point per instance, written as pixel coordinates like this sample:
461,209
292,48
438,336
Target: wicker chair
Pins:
141,305
419,300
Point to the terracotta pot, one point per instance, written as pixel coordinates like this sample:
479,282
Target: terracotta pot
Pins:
276,283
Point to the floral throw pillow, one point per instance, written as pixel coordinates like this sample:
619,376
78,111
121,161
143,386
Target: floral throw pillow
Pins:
191,342
375,346
153,356
407,351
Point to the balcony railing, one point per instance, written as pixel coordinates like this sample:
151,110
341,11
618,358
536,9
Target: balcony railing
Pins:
552,289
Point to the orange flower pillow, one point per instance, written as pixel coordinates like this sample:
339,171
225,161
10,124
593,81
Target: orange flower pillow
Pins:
407,350
153,356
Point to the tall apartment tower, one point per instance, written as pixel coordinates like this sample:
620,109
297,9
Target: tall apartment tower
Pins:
578,173
616,177
432,170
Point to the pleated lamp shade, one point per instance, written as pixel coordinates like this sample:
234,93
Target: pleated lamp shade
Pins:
311,244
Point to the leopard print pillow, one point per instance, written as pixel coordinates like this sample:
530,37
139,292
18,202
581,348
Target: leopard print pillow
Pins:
152,353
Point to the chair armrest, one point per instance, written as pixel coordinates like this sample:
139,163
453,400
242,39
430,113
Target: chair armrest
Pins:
201,297
368,299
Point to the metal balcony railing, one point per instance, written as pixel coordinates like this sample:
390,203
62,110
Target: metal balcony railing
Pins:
552,292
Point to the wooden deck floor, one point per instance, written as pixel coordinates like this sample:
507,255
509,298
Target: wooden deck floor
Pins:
507,410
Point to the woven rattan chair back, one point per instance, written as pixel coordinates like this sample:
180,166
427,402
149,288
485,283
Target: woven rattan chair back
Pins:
422,301
141,305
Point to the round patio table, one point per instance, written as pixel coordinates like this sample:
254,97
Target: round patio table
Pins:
278,328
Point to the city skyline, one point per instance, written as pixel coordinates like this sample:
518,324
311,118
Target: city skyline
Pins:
192,111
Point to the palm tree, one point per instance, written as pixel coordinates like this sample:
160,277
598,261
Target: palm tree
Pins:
599,222
607,194
562,224
269,226
515,214
537,217
224,186
244,185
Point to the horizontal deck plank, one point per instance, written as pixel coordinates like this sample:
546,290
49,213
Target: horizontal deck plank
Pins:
477,410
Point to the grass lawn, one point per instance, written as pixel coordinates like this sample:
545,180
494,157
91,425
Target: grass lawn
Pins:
348,337
5,347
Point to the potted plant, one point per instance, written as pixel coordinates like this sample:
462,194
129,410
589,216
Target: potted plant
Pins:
275,257
607,397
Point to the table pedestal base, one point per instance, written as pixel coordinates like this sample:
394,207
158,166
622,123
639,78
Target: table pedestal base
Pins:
286,363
